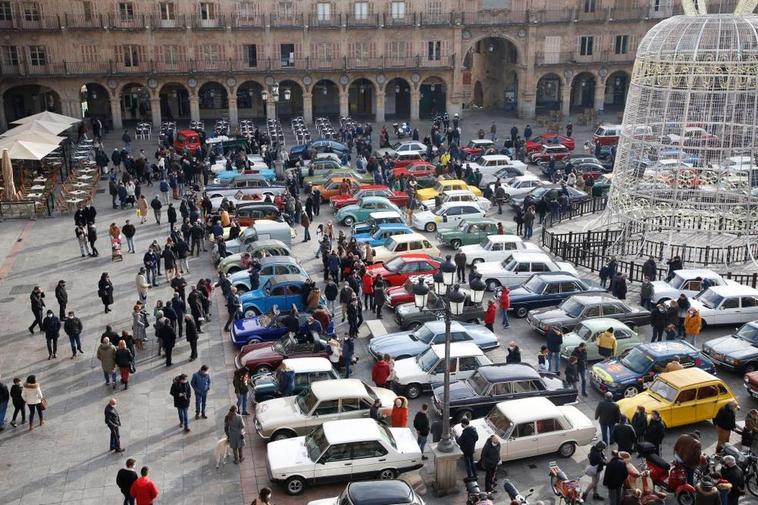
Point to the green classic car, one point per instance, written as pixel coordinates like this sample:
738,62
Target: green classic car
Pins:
315,180
588,330
360,212
602,185
468,231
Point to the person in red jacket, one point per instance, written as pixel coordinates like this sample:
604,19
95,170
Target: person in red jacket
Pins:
489,316
368,291
381,371
144,489
505,304
400,412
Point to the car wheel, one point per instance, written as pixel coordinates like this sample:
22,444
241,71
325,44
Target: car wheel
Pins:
567,449
348,221
455,244
282,435
631,391
463,413
477,261
233,270
295,485
521,312
263,369
241,288
413,391
252,312
685,498
387,474
492,284
430,227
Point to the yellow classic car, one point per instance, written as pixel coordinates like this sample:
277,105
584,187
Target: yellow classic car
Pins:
445,185
682,397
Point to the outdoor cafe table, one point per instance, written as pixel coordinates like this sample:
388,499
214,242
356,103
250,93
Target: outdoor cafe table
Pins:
84,177
80,185
37,187
77,192
40,179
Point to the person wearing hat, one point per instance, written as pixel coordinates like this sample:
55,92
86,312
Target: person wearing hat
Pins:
706,492
733,474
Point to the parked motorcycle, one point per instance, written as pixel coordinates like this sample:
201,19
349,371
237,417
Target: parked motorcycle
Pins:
748,462
402,130
669,477
567,490
474,494
514,494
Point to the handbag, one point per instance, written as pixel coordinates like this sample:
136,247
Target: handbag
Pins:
590,470
132,368
43,404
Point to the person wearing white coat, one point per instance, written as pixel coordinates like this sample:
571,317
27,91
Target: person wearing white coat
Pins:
32,395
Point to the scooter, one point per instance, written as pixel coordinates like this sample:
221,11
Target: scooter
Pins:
669,477
748,462
514,494
567,490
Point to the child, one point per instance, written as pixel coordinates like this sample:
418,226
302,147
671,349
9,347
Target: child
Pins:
542,359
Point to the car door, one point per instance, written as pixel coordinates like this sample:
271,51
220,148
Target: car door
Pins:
326,410
748,308
551,433
369,458
685,410
437,374
467,365
277,296
294,295
707,402
522,442
335,464
728,312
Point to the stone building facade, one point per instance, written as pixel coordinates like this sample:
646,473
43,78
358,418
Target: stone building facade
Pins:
373,59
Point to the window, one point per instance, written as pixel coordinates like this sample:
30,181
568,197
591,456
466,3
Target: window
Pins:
398,10
612,309
568,287
687,395
210,53
434,50
370,449
401,247
427,245
287,54
340,452
434,7
87,10
327,407
523,430
323,11
89,53
360,10
353,404
207,11
31,11
397,49
589,5
285,10
707,392
167,11
37,56
548,425
501,388
657,5
126,11
524,386
277,291
539,267
748,301
416,246
294,290
552,288
467,364
592,312
585,45
5,11
302,380
622,44
170,54
10,55
730,303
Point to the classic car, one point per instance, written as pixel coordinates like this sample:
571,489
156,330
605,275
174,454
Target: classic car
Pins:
333,186
548,151
268,327
224,176
475,396
402,344
688,281
360,212
468,232
412,146
442,186
492,164
320,166
380,236
503,174
578,308
244,186
248,213
259,249
532,427
478,147
751,384
493,247
550,193
318,146
396,271
728,304
379,492
519,186
629,374
323,401
378,218
602,185
413,376
262,229
518,267
681,397
409,317
307,370
396,245
282,291
316,180
548,289
447,216
738,351
399,295
458,196
551,139
415,169
270,266
343,450
587,331
399,198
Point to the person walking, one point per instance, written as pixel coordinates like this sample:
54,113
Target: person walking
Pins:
467,443
241,384
615,476
182,393
142,207
490,315
144,489
490,460
399,415
156,205
105,291
580,353
92,238
19,405
124,480
460,265
624,436
190,329
124,362
5,397
505,304
51,325
201,384
128,230
167,336
234,428
37,300
596,462
725,421
658,321
380,297
608,414
142,285
380,372
106,353
639,423
348,349
31,394
421,425
305,222
113,422
693,324
73,328
62,296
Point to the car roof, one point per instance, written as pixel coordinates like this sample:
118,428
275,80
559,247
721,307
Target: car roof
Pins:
278,279
187,131
302,365
731,290
334,389
375,199
527,177
371,186
504,238
414,256
458,349
344,431
268,224
554,146
668,348
269,242
496,157
277,260
595,298
526,410
510,371
450,182
530,256
409,237
696,272
479,220
481,141
394,226
380,492
455,192
603,323
385,213
439,326
687,377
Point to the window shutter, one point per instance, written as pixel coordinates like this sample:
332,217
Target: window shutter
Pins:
552,49
119,54
372,50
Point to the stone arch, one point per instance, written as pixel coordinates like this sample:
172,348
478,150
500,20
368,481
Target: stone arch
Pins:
26,99
361,99
494,60
174,98
397,98
326,98
616,88
548,92
213,100
294,106
432,96
135,102
583,91
474,42
95,102
250,103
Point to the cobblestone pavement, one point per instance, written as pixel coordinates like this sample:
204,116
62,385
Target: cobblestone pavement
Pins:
66,460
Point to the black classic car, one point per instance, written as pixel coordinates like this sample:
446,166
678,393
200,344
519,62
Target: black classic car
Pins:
475,396
409,317
547,289
577,308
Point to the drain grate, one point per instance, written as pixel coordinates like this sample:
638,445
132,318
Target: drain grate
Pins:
7,300
21,289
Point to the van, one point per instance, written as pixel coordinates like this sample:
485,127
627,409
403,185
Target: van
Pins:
399,244
606,135
187,139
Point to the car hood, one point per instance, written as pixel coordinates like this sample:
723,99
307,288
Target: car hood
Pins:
425,215
265,352
407,369
426,193
732,347
265,381
490,267
405,441
378,269
663,287
349,208
283,455
247,325
242,275
521,294
459,390
549,315
644,399
612,370
233,244
483,429
571,340
382,252
397,344
276,412
251,296
471,249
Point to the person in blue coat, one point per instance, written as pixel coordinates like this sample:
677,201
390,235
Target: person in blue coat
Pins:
348,349
286,381
201,384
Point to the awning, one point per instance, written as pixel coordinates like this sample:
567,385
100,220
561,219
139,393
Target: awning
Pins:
48,116
26,150
38,126
35,136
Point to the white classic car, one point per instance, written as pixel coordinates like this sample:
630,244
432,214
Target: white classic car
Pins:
350,449
447,216
494,247
532,427
324,401
726,304
459,196
519,267
688,281
519,186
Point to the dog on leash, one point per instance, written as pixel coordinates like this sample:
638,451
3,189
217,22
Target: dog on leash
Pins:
222,451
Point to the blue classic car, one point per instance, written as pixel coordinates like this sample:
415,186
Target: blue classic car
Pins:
320,146
270,266
284,291
547,289
269,327
403,344
380,236
226,176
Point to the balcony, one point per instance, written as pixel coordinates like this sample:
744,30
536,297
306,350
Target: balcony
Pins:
408,20
293,21
435,19
88,68
473,18
158,22
573,57
370,21
136,22
173,67
628,14
598,15
119,67
36,23
214,23
551,16
248,22
286,64
561,58
334,21
81,22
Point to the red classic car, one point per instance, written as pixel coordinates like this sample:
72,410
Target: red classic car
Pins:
405,159
478,147
399,295
399,198
550,139
266,357
396,271
555,151
751,383
416,169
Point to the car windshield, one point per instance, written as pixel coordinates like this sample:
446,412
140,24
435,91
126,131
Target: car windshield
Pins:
749,332
440,210
377,234
509,264
583,332
316,443
637,361
394,264
478,383
664,390
499,422
462,225
423,334
396,146
427,360
306,400
387,435
535,285
284,345
676,281
538,192
710,298
572,307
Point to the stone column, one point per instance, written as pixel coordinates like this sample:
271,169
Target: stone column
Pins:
3,120
233,112
380,105
155,113
527,105
566,99
270,108
116,113
453,108
344,107
308,106
600,96
446,471
415,99
194,102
